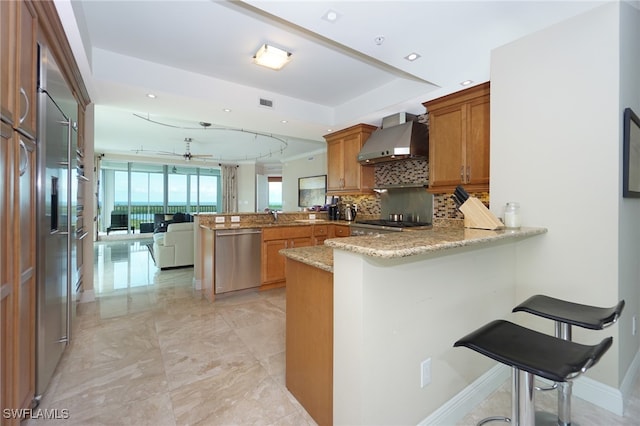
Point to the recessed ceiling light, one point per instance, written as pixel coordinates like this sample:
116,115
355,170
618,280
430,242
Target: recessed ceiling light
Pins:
331,16
284,121
466,82
271,57
151,95
226,110
412,56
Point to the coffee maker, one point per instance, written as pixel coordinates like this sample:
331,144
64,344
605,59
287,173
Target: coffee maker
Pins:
334,213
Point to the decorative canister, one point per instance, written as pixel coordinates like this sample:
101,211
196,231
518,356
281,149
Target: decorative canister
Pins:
512,215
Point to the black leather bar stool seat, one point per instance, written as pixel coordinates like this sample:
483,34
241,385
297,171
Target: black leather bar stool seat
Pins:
585,316
565,314
531,353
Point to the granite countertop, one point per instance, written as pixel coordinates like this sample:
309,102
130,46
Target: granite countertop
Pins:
246,225
319,256
404,244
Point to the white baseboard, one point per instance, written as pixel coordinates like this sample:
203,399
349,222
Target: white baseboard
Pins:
464,402
87,296
590,390
626,387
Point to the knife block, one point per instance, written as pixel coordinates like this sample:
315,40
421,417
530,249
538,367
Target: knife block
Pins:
477,215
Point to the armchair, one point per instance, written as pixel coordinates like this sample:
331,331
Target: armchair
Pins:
174,247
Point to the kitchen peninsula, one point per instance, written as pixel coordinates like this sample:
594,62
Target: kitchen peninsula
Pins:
363,313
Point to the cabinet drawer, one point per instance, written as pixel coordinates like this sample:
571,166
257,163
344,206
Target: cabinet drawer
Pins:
342,231
320,230
285,232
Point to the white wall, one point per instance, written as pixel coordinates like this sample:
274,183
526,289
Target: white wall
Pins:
629,230
310,165
555,147
392,314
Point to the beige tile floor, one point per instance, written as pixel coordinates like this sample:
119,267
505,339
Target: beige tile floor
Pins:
151,351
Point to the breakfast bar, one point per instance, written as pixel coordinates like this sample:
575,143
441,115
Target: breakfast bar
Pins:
386,304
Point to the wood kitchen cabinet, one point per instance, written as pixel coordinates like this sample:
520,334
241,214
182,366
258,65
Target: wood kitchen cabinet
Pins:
18,88
309,339
344,174
274,240
321,233
7,295
459,140
340,231
7,64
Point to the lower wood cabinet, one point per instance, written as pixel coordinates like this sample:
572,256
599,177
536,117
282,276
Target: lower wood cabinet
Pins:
309,339
278,238
340,231
275,239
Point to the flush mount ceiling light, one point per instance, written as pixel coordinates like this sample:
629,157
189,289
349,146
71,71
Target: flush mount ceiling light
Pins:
271,57
466,82
412,56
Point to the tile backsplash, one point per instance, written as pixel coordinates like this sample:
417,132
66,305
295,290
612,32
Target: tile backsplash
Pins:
402,172
398,172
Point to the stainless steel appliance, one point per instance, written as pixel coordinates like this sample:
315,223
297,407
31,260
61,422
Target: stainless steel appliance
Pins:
408,208
237,259
57,215
349,212
401,137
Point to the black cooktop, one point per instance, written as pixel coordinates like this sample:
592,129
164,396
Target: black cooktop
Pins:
393,223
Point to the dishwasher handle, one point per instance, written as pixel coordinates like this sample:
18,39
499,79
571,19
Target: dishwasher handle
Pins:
234,233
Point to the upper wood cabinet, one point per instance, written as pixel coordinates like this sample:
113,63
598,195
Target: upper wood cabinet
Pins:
7,64
26,78
344,174
459,140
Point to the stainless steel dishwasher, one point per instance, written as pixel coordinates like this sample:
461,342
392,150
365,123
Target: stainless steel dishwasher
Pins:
237,259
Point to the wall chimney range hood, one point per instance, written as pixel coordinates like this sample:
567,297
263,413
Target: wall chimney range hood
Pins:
407,140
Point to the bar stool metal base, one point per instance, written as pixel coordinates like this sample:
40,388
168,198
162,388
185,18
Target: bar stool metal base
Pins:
565,314
531,353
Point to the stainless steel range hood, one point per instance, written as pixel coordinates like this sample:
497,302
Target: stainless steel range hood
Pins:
399,142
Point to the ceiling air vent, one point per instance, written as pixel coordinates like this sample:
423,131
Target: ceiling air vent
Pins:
268,103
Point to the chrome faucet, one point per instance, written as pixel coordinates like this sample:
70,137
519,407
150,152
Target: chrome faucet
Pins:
273,212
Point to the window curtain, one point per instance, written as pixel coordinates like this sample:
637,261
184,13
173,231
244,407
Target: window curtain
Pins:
229,188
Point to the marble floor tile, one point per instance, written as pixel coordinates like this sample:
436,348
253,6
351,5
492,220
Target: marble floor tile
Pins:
152,351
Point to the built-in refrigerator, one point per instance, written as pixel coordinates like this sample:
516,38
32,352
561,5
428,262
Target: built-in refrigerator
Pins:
57,270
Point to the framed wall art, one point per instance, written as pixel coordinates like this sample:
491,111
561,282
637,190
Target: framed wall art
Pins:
312,191
631,155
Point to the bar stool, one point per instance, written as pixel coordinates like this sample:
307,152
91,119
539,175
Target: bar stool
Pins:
531,353
565,314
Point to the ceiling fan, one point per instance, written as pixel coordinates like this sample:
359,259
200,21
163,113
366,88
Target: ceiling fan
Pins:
187,156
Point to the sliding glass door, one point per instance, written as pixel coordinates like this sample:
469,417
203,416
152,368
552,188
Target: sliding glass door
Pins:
136,192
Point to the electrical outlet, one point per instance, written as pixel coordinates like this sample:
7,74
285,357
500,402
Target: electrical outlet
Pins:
425,372
220,219
235,219
312,216
634,325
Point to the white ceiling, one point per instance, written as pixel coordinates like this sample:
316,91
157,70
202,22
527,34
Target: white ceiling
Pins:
196,57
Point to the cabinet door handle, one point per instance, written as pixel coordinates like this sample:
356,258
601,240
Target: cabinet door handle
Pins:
462,174
24,158
26,102
468,174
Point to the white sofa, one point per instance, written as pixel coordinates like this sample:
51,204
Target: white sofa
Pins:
174,247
